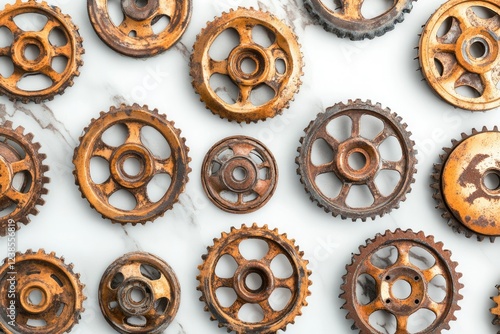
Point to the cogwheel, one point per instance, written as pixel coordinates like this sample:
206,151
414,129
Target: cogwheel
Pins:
297,283
22,180
136,149
348,21
277,66
47,278
44,48
466,185
496,310
372,161
378,271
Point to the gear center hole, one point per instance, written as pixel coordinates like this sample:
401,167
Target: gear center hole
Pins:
478,48
141,3
254,282
248,65
132,166
491,180
401,289
240,174
357,161
36,297
137,295
31,52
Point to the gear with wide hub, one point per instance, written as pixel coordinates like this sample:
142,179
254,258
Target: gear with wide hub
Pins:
22,180
400,276
147,28
40,52
378,165
254,280
239,174
349,19
134,163
139,293
47,292
274,65
459,53
467,184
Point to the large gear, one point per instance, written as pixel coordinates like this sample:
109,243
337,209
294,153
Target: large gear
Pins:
284,82
348,20
134,118
356,144
47,292
297,283
382,294
47,47
22,180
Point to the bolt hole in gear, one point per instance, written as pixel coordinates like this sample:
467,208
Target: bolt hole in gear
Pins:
357,160
49,295
131,164
40,51
139,28
257,76
254,280
401,282
459,53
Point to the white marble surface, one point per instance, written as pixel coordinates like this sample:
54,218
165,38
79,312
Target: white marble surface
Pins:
336,70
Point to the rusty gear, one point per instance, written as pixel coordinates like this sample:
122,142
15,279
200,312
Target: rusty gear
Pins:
153,280
59,288
133,118
284,82
257,182
19,156
348,20
357,144
468,203
452,60
496,310
135,36
298,282
48,51
403,269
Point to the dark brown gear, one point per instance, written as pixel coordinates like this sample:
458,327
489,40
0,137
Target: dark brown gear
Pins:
239,174
134,118
357,144
466,54
47,51
139,293
495,311
135,36
47,292
297,283
404,269
467,201
284,83
22,180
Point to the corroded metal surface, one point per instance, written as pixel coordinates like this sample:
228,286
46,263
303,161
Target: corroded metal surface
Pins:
466,54
239,174
139,286
403,269
134,119
297,283
495,311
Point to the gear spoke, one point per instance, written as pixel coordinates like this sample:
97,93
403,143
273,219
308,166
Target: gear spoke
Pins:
329,167
64,50
288,283
51,24
234,308
5,51
220,67
352,9
245,32
22,165
244,95
103,150
18,197
108,188
377,196
234,251
273,251
17,75
141,196
267,309
383,135
432,272
161,287
369,268
165,166
371,307
225,282
51,73
398,166
402,324
262,187
403,255
356,120
437,308
12,26
134,132
167,8
344,192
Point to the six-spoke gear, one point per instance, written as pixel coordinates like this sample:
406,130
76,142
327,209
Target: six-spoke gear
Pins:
134,119
467,55
46,50
284,49
241,167
385,298
22,180
356,144
135,35
47,291
139,293
297,283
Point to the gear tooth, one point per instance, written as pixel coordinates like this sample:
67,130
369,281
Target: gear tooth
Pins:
485,129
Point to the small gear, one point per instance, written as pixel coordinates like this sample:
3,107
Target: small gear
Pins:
142,286
496,309
347,20
22,180
139,34
277,67
92,145
357,145
297,283
465,55
46,291
410,266
46,47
